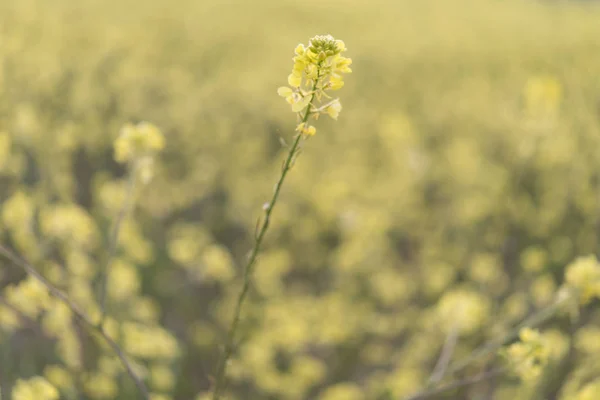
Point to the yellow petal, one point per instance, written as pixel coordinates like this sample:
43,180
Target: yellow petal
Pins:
285,91
301,104
294,80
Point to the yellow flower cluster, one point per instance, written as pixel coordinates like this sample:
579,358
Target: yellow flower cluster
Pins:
318,68
463,310
69,223
138,144
149,342
373,244
36,388
28,296
529,356
138,141
591,391
583,277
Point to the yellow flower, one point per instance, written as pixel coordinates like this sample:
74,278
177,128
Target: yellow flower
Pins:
583,276
529,355
138,141
591,391
306,130
100,386
318,67
334,108
36,388
342,391
464,310
59,376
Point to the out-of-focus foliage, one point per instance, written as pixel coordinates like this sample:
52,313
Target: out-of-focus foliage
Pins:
461,181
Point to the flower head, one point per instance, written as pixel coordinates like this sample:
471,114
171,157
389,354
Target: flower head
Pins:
318,68
529,355
583,277
138,141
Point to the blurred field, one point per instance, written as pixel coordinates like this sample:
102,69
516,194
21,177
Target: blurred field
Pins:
461,179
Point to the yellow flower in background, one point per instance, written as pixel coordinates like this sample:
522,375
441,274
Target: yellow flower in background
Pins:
591,391
583,276
542,96
29,297
36,388
464,310
69,223
100,386
58,376
149,341
17,211
138,141
529,355
162,377
342,391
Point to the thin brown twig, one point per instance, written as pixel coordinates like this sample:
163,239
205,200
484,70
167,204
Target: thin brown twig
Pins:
80,315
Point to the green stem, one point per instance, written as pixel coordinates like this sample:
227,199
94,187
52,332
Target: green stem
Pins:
113,239
229,344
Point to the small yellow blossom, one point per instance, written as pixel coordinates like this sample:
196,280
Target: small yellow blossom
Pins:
100,386
342,391
583,276
334,108
305,129
58,376
464,310
162,377
138,141
529,355
36,388
591,391
148,341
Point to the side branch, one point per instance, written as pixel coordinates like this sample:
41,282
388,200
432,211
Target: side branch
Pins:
80,315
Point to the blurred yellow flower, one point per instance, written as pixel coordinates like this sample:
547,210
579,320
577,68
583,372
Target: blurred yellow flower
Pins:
36,388
342,391
138,141
464,310
529,355
583,276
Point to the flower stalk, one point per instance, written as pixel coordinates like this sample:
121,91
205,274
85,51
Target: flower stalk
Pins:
316,69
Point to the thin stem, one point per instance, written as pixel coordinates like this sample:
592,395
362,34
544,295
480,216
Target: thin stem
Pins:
80,315
229,345
113,239
457,384
439,371
532,321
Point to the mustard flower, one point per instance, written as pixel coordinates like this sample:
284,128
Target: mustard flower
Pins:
136,141
36,388
529,355
464,310
317,69
583,278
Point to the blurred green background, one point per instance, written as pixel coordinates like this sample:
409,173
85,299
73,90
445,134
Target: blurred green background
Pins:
462,176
